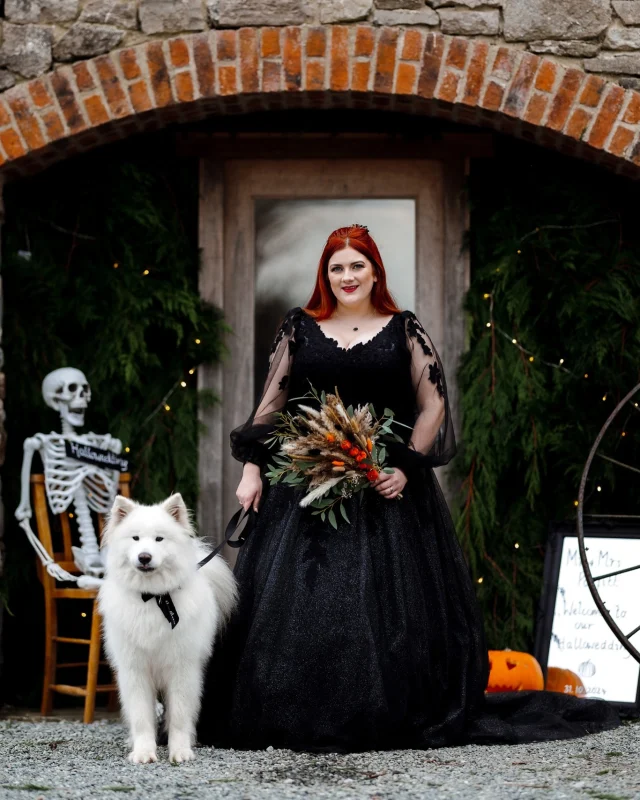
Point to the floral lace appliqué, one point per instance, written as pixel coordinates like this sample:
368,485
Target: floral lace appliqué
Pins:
435,376
416,330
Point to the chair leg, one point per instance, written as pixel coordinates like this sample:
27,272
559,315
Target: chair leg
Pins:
50,653
92,666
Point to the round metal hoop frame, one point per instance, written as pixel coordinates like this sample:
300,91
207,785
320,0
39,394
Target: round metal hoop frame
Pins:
591,581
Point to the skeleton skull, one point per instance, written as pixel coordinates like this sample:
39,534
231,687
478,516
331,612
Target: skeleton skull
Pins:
67,391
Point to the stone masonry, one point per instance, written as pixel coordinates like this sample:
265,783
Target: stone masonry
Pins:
597,36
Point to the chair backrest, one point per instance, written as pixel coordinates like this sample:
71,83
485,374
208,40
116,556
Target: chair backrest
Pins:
41,511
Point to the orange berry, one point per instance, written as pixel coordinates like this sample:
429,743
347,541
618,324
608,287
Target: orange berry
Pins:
372,475
338,463
345,444
369,445
354,452
361,456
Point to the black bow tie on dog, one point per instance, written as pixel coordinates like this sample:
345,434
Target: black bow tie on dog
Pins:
164,601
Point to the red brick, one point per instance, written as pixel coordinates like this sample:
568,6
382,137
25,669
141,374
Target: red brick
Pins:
406,78
386,60
249,78
412,46
448,87
430,72
139,97
159,76
95,109
360,75
504,63
546,77
620,141
457,53
26,120
228,80
292,59
493,96
316,42
179,53
474,77
67,101
578,124
129,64
226,43
84,79
111,86
39,94
632,113
183,83
592,91
271,72
607,116
204,65
536,108
270,42
365,41
11,144
315,76
564,98
53,125
520,85
339,76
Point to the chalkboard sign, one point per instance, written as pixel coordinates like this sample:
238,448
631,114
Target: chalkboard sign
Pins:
571,632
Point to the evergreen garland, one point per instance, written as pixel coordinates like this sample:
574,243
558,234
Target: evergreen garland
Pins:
556,262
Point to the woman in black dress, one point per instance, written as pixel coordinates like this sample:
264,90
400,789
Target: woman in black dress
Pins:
369,636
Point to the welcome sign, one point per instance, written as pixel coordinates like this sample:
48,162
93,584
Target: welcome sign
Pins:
576,636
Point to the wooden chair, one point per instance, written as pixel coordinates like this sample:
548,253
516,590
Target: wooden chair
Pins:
52,593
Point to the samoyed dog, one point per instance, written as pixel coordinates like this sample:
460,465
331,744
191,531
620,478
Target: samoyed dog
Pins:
161,615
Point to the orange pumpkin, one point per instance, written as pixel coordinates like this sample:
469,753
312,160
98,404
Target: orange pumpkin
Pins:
565,681
511,671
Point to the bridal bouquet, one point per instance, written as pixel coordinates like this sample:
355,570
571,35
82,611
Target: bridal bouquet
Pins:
334,452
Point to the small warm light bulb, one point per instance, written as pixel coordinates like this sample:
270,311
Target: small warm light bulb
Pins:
488,324
191,371
167,408
70,516
84,614
197,341
519,251
486,296
530,358
183,384
562,360
586,374
146,272
576,503
514,341
599,488
624,433
604,398
636,405
517,546
480,580
116,265
498,270
127,449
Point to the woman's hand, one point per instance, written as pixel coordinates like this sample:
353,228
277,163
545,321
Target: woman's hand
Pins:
390,484
249,489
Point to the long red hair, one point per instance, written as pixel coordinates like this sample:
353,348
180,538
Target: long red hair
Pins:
323,302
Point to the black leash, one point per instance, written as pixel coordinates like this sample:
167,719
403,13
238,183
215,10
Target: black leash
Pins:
164,601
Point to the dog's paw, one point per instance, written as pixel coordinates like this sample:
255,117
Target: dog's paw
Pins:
142,755
180,754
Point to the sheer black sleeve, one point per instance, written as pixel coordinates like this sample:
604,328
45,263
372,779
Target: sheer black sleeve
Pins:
432,442
247,441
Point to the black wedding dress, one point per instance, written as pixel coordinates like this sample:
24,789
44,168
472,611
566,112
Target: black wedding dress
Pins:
368,637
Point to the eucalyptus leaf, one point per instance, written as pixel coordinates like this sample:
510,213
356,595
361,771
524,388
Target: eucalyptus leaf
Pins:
388,470
332,518
343,511
388,413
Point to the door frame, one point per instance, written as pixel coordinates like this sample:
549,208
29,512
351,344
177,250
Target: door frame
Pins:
228,188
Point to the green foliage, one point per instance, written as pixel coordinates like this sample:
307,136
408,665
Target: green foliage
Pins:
555,246
133,334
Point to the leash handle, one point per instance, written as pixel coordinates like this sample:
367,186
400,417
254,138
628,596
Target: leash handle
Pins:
232,526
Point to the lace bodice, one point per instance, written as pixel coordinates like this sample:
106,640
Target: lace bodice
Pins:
398,368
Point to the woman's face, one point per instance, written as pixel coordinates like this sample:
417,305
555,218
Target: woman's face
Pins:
351,276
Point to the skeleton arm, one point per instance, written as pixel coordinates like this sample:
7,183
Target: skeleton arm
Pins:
106,441
31,445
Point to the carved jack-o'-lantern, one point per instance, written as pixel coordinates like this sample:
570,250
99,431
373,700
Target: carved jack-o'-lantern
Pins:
511,671
565,681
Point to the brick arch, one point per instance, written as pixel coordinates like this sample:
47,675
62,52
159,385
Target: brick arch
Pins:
92,102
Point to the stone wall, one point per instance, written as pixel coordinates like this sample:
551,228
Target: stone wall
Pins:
599,36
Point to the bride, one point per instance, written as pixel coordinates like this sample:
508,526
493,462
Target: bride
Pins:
366,637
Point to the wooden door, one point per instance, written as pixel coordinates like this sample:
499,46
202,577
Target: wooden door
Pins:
232,194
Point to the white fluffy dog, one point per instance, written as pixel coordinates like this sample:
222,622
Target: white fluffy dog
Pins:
161,614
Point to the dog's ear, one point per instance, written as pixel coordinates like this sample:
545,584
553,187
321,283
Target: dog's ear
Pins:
176,507
119,510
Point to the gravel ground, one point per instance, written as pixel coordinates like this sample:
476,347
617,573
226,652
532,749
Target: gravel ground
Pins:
55,760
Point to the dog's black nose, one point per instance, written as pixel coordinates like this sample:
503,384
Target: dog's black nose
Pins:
144,558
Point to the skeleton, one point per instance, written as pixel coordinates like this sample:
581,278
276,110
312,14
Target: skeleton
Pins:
67,481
